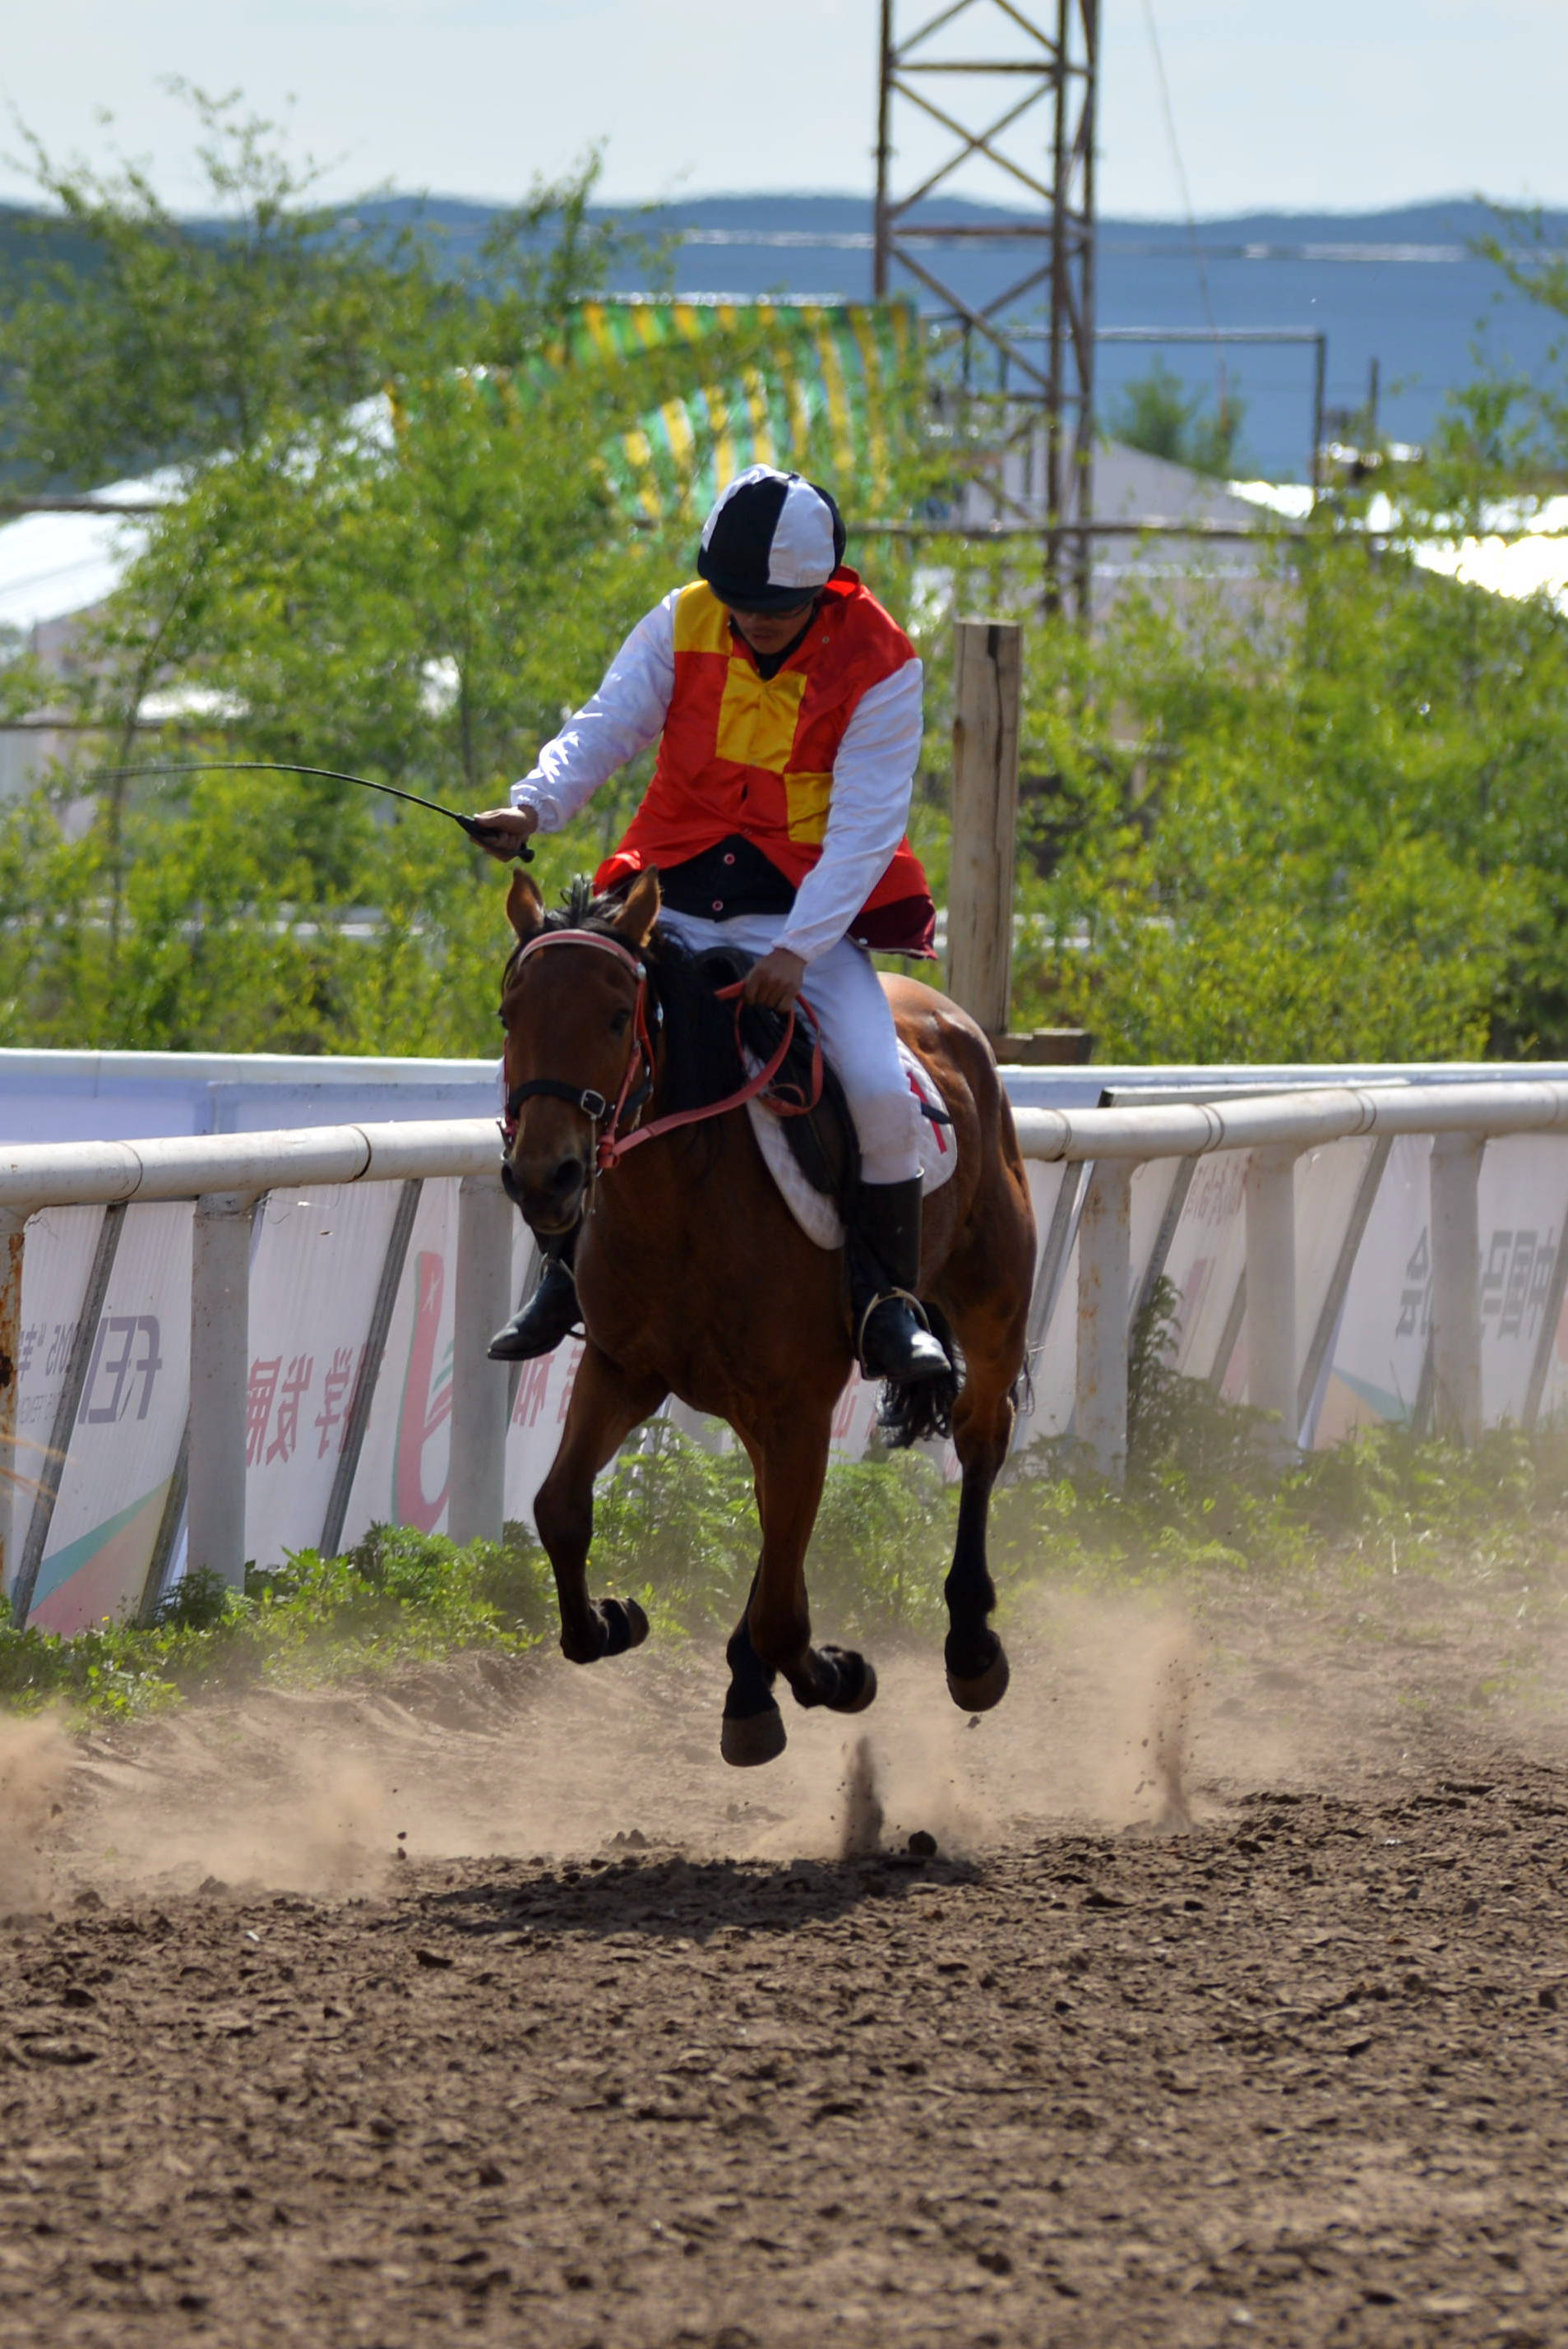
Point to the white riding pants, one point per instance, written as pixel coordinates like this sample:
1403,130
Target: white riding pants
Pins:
857,1036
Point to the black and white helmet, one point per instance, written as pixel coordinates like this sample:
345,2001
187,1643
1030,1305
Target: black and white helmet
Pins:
773,540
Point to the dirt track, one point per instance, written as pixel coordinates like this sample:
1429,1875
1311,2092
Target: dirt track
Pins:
1299,2075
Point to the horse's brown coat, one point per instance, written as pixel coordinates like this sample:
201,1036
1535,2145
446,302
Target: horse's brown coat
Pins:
695,1280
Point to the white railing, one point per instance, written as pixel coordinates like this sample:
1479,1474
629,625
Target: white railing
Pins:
1276,1129
225,1175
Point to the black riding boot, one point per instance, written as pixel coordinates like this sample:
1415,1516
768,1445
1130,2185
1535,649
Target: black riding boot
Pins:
891,1336
550,1314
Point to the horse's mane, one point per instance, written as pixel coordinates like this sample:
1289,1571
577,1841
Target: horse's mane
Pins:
701,1061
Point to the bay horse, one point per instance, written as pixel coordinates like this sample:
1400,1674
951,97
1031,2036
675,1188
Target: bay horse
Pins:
694,1279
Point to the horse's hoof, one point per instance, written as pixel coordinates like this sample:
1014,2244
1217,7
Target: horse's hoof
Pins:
626,1625
746,1740
986,1688
856,1680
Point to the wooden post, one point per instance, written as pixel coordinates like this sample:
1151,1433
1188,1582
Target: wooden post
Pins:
987,681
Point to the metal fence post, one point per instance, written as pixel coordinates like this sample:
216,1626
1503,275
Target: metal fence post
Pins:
12,1224
1104,1284
1455,1285
51,1468
1271,1206
220,1378
480,1388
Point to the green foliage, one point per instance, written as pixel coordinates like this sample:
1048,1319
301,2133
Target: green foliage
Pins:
401,1597
395,547
883,1542
1316,817
146,337
1205,1489
1316,821
1211,1497
1154,413
676,1525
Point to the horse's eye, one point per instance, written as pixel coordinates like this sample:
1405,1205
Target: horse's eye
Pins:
620,1023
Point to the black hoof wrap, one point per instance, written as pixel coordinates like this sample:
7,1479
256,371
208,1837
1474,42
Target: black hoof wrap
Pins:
979,1692
857,1681
747,1740
626,1625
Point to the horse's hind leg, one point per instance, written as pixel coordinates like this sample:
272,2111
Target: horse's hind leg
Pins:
982,1428
606,1406
774,1633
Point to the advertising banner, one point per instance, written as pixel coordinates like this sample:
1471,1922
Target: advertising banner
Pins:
1380,1347
1206,1259
1523,1189
126,1436
316,1266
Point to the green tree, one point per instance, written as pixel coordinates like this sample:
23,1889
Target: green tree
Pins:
395,546
1315,821
1154,413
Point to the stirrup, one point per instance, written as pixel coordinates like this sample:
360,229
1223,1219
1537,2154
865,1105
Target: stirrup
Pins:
927,1359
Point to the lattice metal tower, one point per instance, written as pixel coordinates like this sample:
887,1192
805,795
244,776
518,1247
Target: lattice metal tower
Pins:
1025,105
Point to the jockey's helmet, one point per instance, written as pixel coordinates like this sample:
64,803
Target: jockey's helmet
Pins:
772,541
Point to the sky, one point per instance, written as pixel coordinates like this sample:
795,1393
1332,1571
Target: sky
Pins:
1336,106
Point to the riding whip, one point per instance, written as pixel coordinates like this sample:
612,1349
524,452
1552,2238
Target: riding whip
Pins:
470,823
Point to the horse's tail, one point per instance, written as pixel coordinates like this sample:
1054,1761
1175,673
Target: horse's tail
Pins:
911,1414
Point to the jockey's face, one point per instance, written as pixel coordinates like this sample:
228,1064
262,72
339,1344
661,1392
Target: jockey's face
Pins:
770,632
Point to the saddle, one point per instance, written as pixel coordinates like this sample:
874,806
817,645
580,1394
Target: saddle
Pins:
802,1119
821,1140
815,1157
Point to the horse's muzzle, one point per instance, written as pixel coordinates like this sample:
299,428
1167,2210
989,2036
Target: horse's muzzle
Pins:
551,1198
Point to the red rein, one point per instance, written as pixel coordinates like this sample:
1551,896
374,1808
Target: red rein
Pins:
613,1145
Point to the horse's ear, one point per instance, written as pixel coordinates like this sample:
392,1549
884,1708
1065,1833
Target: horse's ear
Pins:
524,907
637,917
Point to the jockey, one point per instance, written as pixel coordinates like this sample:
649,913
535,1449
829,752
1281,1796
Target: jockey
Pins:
789,705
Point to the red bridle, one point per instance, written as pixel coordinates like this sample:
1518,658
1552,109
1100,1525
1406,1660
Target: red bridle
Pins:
612,1144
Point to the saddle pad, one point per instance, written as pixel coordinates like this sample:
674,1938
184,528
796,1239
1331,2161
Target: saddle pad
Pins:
817,1217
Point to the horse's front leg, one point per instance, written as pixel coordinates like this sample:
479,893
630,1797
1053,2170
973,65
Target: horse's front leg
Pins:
774,1633
606,1406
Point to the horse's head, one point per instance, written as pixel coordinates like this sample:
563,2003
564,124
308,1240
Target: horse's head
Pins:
569,1005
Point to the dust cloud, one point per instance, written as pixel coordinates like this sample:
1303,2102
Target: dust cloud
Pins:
330,1792
35,1759
1132,1713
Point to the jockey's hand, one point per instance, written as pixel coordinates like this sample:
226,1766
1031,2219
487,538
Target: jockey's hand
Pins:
506,831
775,980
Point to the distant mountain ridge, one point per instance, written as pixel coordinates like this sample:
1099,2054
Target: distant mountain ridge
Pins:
1453,220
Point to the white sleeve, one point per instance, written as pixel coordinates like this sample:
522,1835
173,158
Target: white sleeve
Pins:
623,717
867,816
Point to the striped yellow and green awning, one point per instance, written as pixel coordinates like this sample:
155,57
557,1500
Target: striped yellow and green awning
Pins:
813,387
796,383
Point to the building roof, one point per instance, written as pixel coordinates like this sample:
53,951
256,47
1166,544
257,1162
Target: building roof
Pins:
53,565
